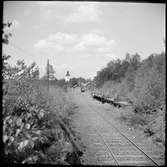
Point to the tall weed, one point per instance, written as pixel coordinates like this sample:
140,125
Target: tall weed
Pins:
30,127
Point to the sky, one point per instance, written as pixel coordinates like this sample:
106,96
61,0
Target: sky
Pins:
82,37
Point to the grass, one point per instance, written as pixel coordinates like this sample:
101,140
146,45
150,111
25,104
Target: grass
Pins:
133,120
31,133
152,126
148,111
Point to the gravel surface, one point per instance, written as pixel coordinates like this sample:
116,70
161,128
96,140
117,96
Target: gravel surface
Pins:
92,121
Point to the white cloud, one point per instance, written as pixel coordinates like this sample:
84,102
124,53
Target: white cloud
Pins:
93,39
70,12
62,38
107,46
44,44
76,45
85,12
80,47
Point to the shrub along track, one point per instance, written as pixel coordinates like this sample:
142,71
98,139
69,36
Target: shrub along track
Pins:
120,150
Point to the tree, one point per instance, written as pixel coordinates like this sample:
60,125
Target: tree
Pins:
150,82
5,35
127,57
35,73
134,64
5,40
73,81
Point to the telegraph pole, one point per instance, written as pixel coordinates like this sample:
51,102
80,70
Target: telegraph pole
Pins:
48,75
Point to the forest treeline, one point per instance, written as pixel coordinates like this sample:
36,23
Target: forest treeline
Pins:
141,82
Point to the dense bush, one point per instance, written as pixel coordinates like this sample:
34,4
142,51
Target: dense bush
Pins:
117,69
150,83
29,124
30,127
143,83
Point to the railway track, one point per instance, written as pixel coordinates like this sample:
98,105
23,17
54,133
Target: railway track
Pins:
77,150
122,150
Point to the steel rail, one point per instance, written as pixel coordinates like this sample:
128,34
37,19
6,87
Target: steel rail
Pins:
112,154
124,135
73,140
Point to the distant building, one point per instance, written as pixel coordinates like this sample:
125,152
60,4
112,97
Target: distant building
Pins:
67,77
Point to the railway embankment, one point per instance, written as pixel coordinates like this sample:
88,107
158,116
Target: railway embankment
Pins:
151,125
143,83
107,140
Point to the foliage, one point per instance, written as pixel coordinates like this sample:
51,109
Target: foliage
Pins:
74,81
31,133
61,82
30,127
150,83
77,81
156,127
21,71
142,82
5,34
116,70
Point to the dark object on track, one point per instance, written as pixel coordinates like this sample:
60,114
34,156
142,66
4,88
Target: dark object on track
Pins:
104,99
82,90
